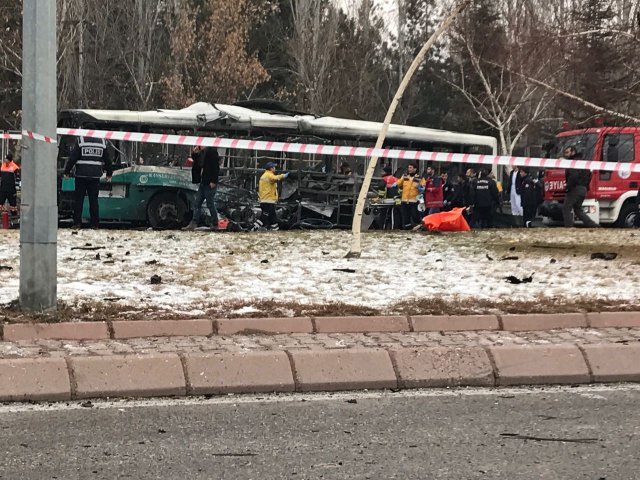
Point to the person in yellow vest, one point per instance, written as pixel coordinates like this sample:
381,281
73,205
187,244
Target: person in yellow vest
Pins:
268,195
412,187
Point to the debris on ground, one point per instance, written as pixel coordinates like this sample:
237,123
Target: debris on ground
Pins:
604,256
517,281
549,439
156,280
207,279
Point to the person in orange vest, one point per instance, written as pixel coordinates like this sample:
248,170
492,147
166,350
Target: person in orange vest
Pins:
9,173
412,186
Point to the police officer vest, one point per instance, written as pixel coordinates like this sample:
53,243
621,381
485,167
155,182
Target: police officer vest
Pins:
483,192
90,163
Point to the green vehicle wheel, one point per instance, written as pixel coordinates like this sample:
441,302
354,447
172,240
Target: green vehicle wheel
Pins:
168,211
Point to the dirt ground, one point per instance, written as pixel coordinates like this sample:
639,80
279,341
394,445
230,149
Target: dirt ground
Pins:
108,273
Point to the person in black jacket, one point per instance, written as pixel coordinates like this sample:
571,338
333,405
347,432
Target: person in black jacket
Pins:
90,157
527,190
453,196
468,196
577,185
469,187
486,198
205,171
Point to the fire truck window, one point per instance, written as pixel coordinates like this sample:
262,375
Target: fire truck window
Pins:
618,148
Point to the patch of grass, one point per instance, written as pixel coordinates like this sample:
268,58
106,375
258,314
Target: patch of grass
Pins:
272,308
103,311
541,304
81,311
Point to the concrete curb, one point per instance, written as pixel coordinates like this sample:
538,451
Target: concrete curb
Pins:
169,374
120,329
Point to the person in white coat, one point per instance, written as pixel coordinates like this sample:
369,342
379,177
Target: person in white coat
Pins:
514,198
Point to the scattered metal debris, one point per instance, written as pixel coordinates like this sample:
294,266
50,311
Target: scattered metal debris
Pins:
604,256
549,439
516,281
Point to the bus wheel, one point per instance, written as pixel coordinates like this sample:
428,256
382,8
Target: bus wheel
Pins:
166,211
627,217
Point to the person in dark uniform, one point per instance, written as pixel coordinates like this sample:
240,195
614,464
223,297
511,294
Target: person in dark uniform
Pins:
577,186
527,190
453,196
9,172
468,193
90,157
486,198
205,171
388,189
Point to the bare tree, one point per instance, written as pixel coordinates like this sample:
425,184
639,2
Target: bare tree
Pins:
502,100
142,56
10,64
313,50
11,38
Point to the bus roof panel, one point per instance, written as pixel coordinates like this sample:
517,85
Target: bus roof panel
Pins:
370,130
204,115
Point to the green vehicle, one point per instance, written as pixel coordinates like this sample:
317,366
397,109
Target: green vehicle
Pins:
155,192
160,197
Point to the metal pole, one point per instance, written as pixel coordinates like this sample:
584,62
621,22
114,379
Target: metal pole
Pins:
39,210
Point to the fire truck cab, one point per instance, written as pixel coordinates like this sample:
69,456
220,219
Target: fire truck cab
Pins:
611,198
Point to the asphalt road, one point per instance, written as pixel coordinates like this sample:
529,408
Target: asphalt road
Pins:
580,433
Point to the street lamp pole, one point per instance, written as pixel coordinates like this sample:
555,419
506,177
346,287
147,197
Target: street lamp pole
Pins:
39,210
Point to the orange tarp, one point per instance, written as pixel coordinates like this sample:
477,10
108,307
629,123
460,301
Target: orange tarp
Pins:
452,221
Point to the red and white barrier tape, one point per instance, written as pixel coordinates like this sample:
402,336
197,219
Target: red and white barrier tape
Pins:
366,152
37,136
10,136
27,133
314,149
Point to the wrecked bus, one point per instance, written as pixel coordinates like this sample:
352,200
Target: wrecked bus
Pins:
151,182
611,199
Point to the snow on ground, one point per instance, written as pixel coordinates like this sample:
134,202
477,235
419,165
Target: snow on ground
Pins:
198,268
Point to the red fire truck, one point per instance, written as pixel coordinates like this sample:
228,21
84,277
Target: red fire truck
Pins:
611,199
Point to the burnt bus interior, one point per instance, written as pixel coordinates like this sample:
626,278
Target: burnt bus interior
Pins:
317,186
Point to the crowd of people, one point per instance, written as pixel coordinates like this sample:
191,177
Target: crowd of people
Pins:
479,193
413,195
